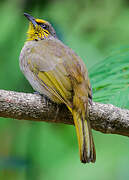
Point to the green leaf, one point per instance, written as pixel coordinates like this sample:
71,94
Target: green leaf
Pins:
110,79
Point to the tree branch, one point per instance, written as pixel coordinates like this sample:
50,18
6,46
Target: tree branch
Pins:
105,118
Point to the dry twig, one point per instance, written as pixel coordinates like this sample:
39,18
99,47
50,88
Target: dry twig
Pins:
105,118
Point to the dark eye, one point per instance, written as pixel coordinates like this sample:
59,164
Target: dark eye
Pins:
44,26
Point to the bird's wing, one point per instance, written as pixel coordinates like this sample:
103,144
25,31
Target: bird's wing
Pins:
56,66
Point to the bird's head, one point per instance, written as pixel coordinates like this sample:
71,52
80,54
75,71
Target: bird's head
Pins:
39,29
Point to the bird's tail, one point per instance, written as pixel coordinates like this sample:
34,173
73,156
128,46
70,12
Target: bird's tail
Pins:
85,139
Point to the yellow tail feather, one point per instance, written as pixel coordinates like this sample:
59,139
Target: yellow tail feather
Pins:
85,139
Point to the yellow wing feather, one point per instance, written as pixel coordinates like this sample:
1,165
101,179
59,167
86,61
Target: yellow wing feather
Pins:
54,87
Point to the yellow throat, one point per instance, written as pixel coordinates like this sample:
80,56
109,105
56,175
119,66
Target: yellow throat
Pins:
38,29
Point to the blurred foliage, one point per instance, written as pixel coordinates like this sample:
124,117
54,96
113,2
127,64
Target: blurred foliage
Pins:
110,79
93,29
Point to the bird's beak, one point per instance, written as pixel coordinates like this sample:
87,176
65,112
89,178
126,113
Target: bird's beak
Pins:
30,18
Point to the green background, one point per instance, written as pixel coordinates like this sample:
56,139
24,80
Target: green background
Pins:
98,31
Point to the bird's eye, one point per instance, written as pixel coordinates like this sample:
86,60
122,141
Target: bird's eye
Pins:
44,26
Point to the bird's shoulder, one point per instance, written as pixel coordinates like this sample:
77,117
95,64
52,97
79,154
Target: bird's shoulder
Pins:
50,53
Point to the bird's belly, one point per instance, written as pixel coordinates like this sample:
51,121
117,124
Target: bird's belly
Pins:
35,83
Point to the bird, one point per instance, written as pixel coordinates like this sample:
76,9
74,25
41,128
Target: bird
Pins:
56,71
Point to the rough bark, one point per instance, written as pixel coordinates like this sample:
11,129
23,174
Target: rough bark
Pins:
105,118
